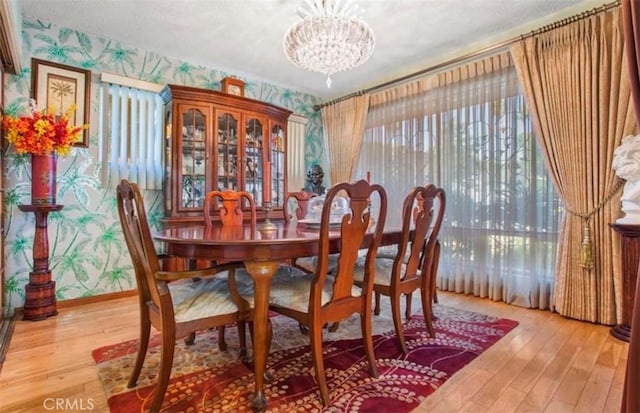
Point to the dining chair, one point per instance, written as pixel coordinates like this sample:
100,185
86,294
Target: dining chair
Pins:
232,208
296,206
299,200
300,212
319,298
175,303
415,264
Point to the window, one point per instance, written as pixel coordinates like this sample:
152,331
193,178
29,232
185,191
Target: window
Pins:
131,132
474,138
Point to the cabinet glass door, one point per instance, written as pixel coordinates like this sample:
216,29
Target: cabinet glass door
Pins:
227,162
192,158
277,148
253,159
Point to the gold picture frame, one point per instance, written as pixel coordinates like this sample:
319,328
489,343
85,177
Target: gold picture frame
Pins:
59,86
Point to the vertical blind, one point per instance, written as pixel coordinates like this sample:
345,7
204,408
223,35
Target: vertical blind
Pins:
131,130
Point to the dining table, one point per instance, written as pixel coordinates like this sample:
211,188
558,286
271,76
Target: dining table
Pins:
262,248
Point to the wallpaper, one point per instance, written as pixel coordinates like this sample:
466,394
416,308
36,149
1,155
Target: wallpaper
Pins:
88,255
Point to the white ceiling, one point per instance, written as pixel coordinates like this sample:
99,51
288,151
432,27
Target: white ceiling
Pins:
244,37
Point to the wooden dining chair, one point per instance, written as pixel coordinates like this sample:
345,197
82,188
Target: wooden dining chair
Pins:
232,208
318,299
296,206
174,303
415,264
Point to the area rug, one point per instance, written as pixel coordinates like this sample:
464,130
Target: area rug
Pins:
205,379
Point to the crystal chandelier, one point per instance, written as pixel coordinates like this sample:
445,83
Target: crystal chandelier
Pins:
330,38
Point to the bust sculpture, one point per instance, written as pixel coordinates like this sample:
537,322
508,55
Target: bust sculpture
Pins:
626,163
314,180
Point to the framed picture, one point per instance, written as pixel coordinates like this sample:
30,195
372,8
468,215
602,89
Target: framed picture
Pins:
57,86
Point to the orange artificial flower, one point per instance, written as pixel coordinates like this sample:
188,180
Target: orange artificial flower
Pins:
42,132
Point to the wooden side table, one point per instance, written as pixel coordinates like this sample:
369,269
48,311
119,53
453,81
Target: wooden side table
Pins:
630,259
40,292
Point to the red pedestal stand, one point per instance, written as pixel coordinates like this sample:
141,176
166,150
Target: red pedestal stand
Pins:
40,292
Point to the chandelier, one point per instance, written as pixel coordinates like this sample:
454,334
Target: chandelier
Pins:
330,38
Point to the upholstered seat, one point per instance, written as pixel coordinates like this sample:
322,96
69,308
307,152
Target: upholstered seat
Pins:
384,268
292,290
284,276
201,298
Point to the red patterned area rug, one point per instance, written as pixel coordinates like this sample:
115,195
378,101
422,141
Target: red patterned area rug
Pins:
205,379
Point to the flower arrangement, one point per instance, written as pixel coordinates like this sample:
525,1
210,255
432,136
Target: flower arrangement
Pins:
42,132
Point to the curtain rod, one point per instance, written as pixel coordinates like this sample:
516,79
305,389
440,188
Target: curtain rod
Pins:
477,53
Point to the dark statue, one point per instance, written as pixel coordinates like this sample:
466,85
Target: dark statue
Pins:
314,180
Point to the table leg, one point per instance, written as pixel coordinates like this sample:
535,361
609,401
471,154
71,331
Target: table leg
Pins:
261,272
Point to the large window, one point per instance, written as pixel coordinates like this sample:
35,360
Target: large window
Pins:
474,138
131,132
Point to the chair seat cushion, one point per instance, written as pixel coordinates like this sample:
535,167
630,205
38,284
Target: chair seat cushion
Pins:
384,267
307,263
310,263
387,251
244,281
292,290
193,299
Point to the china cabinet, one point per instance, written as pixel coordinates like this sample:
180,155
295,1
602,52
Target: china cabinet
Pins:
216,140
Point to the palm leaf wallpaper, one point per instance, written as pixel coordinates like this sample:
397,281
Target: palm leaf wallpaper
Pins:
88,255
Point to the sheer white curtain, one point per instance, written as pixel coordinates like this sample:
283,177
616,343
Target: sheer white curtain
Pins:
468,131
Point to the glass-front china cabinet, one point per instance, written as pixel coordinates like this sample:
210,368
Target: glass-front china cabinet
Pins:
216,140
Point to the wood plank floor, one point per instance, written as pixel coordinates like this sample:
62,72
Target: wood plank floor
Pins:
546,364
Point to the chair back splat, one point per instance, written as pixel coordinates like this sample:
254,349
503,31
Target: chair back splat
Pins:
230,206
353,230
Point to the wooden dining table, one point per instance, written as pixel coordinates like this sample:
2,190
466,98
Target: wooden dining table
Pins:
262,251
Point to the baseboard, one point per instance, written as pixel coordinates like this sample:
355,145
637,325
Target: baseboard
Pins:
74,302
96,298
6,331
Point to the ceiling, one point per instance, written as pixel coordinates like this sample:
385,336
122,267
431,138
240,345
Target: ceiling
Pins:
244,37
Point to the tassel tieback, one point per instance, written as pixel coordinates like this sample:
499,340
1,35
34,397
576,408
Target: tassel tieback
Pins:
586,246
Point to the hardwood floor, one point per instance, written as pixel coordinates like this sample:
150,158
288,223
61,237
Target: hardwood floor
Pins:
546,364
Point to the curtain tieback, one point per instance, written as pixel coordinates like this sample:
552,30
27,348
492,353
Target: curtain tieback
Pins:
586,247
